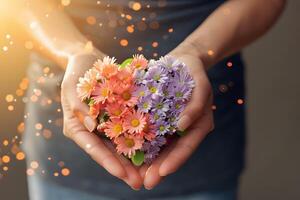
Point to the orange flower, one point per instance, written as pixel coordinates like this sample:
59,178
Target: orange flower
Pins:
102,92
134,122
139,62
114,128
87,84
128,144
107,67
115,109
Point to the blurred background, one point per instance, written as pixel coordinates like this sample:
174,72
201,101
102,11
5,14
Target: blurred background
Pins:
273,85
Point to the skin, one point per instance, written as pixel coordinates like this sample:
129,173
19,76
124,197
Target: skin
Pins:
229,28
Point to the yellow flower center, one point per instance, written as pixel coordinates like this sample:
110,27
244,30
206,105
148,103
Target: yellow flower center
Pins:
129,142
142,93
145,105
135,122
117,112
153,89
104,92
118,128
161,128
178,94
126,96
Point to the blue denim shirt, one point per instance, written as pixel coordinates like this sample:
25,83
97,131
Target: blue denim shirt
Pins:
218,161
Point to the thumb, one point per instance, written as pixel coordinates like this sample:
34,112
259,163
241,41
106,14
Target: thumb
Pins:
196,105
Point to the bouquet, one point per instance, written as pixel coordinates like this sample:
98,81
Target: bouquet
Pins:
137,103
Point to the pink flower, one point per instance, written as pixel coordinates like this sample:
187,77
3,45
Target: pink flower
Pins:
114,128
94,110
148,131
87,84
107,67
127,97
139,62
115,109
128,144
134,122
102,92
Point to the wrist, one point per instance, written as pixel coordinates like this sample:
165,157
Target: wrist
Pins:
195,48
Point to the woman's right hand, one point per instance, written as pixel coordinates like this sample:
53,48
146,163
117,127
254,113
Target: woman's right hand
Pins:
79,126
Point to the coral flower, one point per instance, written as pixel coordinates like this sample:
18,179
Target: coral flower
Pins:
107,67
139,62
101,93
94,110
114,128
115,109
134,122
127,97
128,144
125,75
148,131
87,84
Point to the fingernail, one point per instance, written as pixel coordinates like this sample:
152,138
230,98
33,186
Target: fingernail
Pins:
148,188
148,170
136,189
183,123
89,123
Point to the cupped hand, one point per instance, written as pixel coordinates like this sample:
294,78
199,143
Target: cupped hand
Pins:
196,121
79,126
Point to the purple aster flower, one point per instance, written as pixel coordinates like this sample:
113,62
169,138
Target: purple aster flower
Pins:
156,90
170,63
152,148
179,91
157,74
161,105
162,127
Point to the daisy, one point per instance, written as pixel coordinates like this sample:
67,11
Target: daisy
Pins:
115,109
107,67
94,110
113,128
127,97
125,75
134,122
149,130
139,62
101,93
87,84
128,144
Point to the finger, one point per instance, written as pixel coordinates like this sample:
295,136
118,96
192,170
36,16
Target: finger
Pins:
152,177
133,178
186,145
72,103
196,105
143,170
93,145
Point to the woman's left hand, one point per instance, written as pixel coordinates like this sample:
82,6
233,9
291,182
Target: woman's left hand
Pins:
196,120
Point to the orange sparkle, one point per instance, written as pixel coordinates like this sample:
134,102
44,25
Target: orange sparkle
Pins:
5,142
155,44
65,172
34,164
136,6
9,98
10,107
30,172
130,29
210,52
229,64
91,20
20,156
5,159
124,42
240,101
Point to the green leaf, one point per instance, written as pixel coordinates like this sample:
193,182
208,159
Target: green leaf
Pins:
126,62
138,158
181,133
103,117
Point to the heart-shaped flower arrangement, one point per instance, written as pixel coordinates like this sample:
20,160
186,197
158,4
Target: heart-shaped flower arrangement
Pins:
137,103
